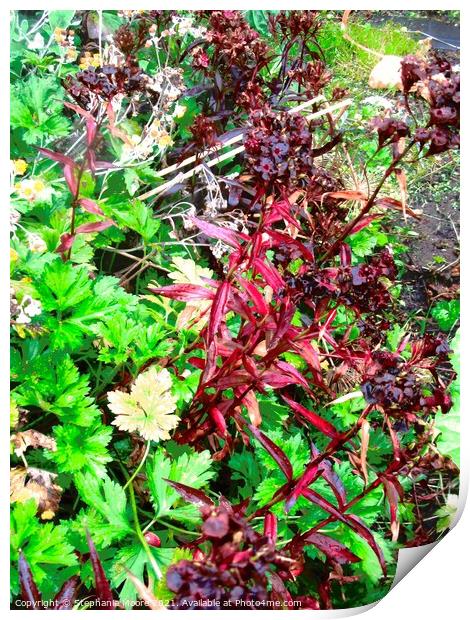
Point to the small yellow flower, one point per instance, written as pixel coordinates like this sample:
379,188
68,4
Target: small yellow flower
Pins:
38,186
164,140
59,35
27,193
19,166
71,54
13,255
90,60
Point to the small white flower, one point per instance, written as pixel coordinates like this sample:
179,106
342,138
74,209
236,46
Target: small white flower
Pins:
15,217
179,110
36,43
36,243
33,190
32,307
22,318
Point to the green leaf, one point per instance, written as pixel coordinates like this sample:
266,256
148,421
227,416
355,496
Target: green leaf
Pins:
245,470
191,469
53,383
44,546
446,313
135,559
131,179
448,424
362,243
82,449
36,109
137,216
63,286
60,19
109,500
258,20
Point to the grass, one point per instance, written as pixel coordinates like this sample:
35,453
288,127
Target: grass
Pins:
353,64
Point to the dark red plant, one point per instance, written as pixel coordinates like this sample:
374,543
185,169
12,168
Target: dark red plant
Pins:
73,173
236,567
66,598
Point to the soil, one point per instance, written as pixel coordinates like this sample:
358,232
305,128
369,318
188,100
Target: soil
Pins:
426,281
438,235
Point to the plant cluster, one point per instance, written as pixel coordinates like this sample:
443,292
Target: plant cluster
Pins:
216,396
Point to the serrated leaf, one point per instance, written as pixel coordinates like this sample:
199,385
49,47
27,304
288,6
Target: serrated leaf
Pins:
109,500
191,469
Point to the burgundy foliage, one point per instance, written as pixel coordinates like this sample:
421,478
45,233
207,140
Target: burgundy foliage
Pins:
66,598
296,262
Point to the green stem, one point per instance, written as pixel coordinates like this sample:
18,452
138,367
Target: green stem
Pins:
140,536
146,453
137,528
175,527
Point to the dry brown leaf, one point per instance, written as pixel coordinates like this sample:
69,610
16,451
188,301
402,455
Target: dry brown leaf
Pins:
31,439
38,484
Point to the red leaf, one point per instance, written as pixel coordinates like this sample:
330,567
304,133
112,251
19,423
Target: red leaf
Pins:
292,372
333,549
395,204
71,179
311,473
277,380
345,255
351,520
29,590
62,159
151,602
95,226
91,130
270,526
228,236
69,168
218,310
184,292
90,206
251,403
102,587
318,422
392,493
78,110
309,354
331,477
66,597
401,178
256,297
115,131
198,362
347,195
281,211
270,274
283,239
363,222
66,242
219,420
275,451
365,532
194,496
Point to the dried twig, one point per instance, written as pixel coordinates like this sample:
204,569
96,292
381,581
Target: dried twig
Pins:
182,176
